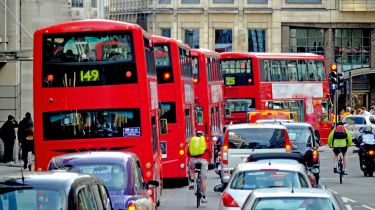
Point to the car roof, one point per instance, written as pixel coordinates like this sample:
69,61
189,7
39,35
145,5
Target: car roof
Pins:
50,179
93,157
275,120
280,164
289,192
296,124
255,125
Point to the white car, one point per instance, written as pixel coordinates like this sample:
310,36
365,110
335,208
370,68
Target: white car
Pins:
244,139
269,173
291,199
353,123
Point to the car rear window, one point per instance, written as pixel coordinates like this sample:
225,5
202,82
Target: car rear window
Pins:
355,120
35,198
256,138
288,203
113,175
249,180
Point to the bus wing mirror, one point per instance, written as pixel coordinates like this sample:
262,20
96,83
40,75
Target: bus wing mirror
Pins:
163,126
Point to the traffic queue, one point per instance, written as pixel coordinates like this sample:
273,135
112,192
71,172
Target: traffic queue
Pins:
116,108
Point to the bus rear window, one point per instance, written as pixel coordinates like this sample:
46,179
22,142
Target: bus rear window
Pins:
239,105
78,124
72,60
237,72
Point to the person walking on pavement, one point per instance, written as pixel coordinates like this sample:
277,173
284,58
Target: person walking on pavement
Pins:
8,135
26,137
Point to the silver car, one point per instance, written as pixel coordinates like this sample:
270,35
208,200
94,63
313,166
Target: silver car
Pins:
291,199
353,123
262,174
241,140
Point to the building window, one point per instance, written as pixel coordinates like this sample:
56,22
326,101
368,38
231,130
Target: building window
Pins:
223,40
257,1
190,1
164,1
192,37
166,32
77,3
223,1
94,3
307,40
303,1
352,48
257,40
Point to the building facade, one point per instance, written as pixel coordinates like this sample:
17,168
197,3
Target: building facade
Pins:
342,30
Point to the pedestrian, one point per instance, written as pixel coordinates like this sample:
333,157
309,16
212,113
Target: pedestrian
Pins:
372,109
8,135
26,137
365,112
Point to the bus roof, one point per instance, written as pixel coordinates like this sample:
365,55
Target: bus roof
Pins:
206,52
88,26
228,55
164,40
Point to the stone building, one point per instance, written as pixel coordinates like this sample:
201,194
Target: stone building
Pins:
342,30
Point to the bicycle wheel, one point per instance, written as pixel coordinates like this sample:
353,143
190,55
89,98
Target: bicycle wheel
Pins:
199,192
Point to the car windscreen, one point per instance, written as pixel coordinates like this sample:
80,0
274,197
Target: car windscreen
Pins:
293,203
256,138
31,198
114,176
354,120
250,180
300,135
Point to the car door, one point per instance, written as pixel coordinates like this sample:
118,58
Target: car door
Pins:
143,201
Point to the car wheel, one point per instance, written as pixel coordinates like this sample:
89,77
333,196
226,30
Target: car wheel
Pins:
365,173
370,172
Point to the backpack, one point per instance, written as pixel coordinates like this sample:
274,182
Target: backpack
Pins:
339,133
197,145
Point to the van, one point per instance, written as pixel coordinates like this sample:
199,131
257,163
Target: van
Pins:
241,140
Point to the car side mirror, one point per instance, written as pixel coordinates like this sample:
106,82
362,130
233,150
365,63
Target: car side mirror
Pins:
219,188
152,184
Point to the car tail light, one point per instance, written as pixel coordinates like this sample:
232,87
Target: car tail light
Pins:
288,146
132,206
315,155
224,154
371,152
228,201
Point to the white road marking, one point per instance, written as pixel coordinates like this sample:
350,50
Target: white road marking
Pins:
348,207
367,207
334,192
346,200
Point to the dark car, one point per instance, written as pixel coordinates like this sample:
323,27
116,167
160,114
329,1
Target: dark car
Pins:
56,190
304,142
120,172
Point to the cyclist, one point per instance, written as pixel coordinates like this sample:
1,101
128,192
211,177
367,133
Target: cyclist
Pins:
340,138
204,159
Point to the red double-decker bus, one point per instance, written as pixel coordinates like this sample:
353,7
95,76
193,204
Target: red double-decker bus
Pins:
297,82
208,90
95,89
241,89
176,103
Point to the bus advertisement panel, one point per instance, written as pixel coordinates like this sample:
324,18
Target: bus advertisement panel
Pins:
95,91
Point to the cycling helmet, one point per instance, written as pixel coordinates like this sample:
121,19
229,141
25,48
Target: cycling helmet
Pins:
199,133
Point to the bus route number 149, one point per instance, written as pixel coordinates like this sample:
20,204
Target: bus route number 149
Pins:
89,75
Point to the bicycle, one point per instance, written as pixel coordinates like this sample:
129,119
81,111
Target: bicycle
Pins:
198,183
340,166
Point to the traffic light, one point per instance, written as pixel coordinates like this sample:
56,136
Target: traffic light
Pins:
336,79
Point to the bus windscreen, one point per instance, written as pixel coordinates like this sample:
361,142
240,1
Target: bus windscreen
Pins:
237,72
